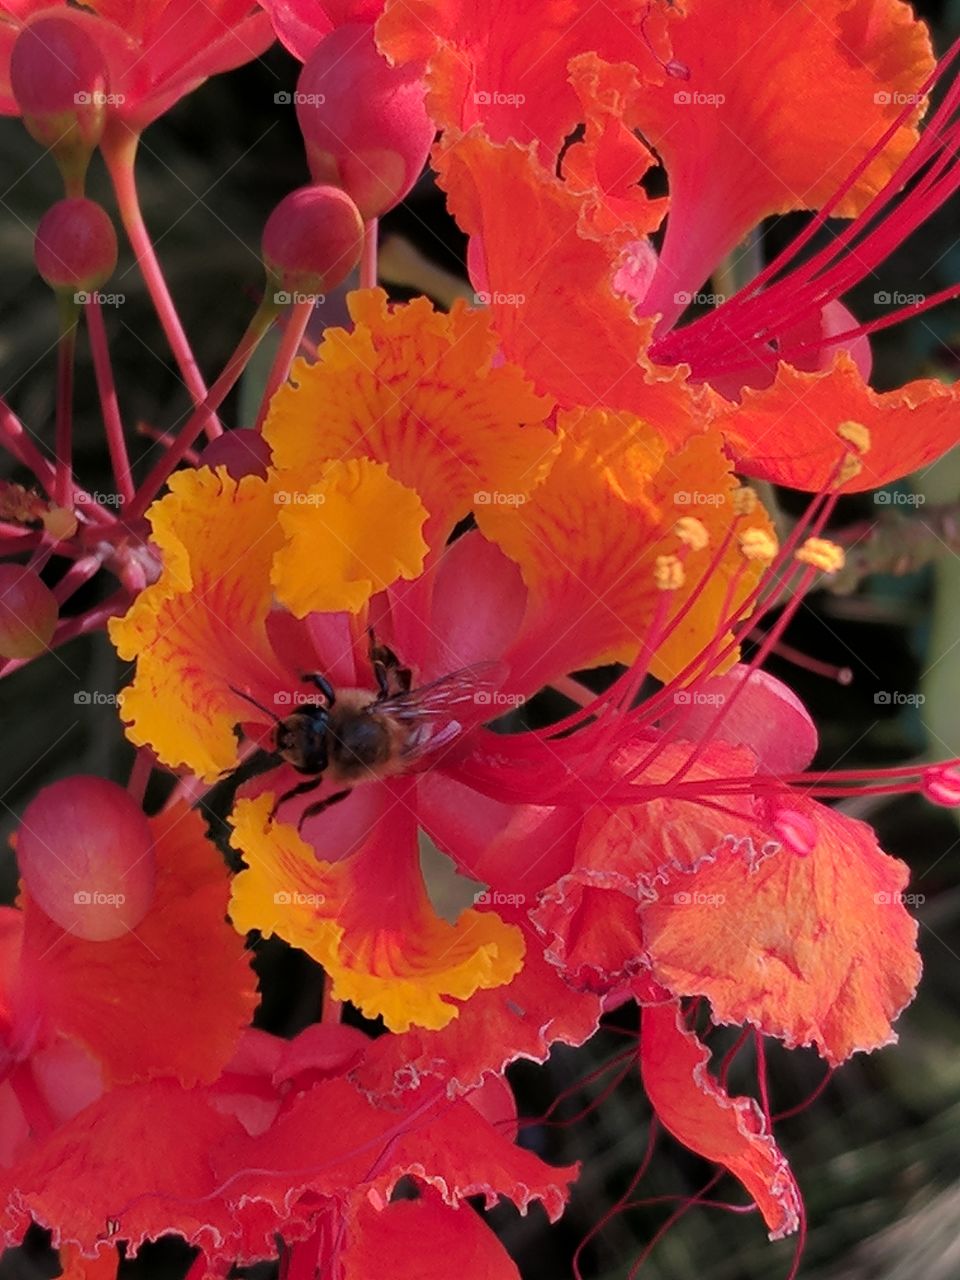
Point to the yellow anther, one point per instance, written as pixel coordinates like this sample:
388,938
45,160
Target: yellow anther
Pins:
692,532
758,545
857,434
668,573
744,500
822,554
849,468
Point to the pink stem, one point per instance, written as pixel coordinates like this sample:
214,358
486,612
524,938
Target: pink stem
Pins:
116,443
368,260
63,442
293,333
140,774
119,147
158,476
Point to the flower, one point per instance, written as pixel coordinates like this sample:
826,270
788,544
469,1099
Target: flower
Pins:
402,428
778,367
153,53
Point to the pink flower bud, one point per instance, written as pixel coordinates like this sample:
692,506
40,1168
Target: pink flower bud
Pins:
364,122
312,241
85,852
59,80
243,452
75,245
28,613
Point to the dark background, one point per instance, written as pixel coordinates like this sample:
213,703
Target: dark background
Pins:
877,1155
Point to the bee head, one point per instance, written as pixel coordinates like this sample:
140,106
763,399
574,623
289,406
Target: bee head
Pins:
301,739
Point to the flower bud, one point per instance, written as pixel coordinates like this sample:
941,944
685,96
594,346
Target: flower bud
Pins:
364,122
243,452
312,241
85,852
75,245
28,613
59,79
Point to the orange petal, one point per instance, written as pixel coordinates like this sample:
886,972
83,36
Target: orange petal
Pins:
591,534
171,997
814,950
781,104
461,1244
415,389
730,1131
572,334
787,432
505,65
369,527
74,1266
367,918
202,626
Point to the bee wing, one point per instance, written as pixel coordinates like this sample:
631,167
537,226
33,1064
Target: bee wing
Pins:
438,712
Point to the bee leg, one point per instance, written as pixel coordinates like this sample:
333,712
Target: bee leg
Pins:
312,810
323,684
301,789
391,677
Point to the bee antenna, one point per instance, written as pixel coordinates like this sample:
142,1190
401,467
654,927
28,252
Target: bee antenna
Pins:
272,715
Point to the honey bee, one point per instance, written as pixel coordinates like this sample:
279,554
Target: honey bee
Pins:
349,736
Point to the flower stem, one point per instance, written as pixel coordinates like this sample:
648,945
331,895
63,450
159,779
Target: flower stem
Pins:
119,147
63,440
258,326
368,260
297,321
116,443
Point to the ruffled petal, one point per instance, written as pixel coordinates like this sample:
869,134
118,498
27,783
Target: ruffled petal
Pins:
369,527
787,432
572,334
695,1108
505,65
781,104
417,390
171,997
814,950
522,1019
367,918
588,540
202,626
460,1243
